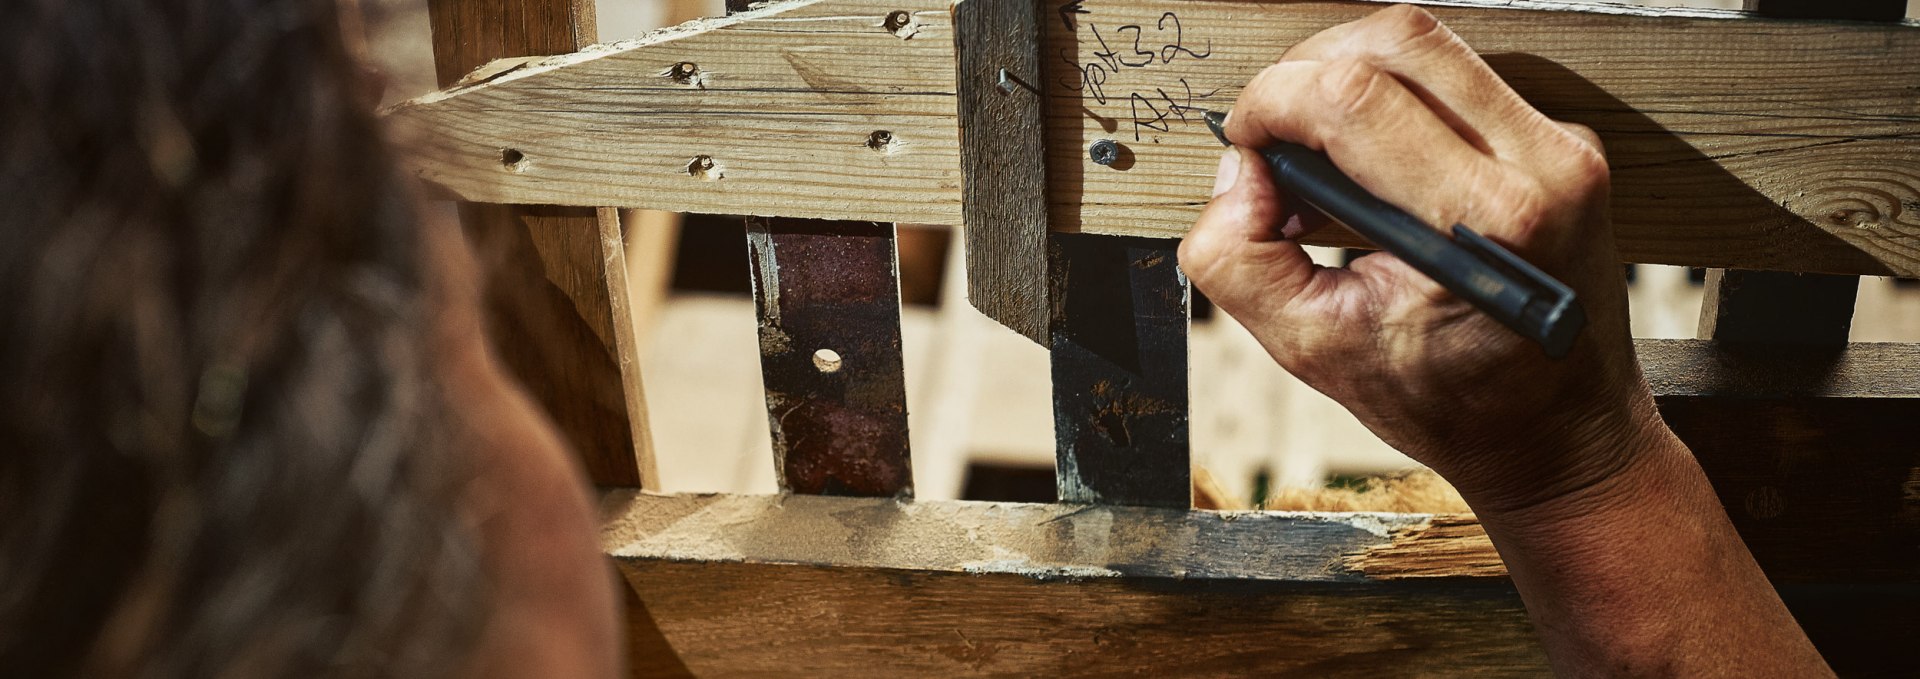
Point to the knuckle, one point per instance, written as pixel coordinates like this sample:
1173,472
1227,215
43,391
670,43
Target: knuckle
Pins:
1585,134
1347,85
1199,255
1588,167
1407,29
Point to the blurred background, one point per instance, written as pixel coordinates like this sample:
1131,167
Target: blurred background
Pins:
978,394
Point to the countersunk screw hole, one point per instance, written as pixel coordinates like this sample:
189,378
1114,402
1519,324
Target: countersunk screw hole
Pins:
827,360
880,140
513,160
685,73
901,24
703,168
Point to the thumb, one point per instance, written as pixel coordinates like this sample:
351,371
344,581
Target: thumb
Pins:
1239,252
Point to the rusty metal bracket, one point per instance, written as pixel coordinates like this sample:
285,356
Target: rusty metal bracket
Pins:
828,297
1119,349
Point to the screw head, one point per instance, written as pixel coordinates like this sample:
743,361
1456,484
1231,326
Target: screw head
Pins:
1104,152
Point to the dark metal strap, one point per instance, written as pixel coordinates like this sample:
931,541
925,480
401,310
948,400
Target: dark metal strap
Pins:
1119,347
828,297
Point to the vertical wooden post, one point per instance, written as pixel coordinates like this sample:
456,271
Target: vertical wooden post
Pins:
1118,339
556,288
1779,307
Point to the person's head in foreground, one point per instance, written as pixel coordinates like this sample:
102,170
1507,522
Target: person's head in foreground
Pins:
248,424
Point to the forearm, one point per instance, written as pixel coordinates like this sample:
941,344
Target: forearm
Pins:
1643,575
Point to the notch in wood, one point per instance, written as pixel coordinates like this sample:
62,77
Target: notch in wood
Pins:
1003,199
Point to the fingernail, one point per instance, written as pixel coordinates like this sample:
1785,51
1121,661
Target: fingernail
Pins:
1229,171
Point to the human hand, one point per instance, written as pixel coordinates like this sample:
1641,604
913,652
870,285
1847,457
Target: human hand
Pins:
1407,109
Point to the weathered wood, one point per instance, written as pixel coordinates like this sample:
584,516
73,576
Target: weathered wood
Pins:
1781,307
783,100
1850,10
1696,160
1041,540
735,619
1838,510
1778,307
872,587
828,301
1736,142
1003,174
1446,546
1118,344
556,289
1861,370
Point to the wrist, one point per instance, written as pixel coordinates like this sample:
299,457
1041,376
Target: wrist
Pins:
1621,465
1588,451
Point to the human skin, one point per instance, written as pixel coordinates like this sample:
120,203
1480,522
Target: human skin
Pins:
554,612
1626,561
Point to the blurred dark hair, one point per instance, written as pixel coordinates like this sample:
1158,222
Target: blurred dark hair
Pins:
220,441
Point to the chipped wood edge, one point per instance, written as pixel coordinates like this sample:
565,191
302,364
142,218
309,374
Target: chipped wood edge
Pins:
1445,546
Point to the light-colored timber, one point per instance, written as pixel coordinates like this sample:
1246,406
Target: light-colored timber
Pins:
1736,141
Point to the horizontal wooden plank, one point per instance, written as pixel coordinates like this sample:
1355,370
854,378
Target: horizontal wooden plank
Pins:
780,620
1860,370
772,112
1039,540
1737,141
1752,143
752,619
1815,475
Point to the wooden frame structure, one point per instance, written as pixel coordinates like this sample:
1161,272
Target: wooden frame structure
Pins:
1779,148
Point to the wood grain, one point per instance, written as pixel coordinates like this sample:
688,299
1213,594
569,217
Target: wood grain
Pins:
783,102
863,587
1860,370
1039,540
1003,161
1776,306
1737,142
556,290
1446,546
732,619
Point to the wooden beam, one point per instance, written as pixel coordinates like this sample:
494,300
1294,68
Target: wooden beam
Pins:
750,619
1747,143
1782,307
1700,368
557,288
1850,10
861,587
1003,172
1760,144
1778,307
726,585
1839,495
783,101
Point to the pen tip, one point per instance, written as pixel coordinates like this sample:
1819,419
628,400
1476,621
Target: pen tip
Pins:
1217,122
